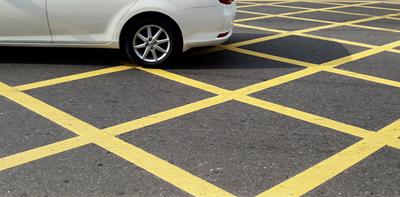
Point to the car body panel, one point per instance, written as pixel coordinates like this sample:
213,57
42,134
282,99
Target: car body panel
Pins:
24,21
85,21
99,23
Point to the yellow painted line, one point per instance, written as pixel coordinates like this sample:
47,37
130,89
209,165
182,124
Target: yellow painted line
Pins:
364,77
381,8
349,13
331,167
166,115
160,168
394,50
375,28
70,78
260,28
338,40
278,81
249,6
186,81
393,18
361,55
41,152
251,18
392,131
272,57
307,117
324,171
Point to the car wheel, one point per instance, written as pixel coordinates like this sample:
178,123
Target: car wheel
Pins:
153,42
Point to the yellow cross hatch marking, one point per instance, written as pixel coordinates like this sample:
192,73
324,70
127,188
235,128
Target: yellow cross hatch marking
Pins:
298,185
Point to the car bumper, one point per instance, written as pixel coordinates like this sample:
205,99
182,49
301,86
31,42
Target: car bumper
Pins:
201,26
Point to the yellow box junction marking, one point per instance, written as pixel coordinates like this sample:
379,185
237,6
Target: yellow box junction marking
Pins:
296,186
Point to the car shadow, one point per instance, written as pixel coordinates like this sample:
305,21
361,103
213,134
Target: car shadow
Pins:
298,48
292,47
66,56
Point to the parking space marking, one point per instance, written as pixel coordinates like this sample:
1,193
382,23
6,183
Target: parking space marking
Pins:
160,168
70,78
329,168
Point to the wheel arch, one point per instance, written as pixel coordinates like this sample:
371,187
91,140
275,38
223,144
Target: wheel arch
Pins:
145,14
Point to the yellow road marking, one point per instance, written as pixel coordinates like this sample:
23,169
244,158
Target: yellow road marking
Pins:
272,57
165,115
329,168
65,79
277,81
364,77
324,171
384,137
186,81
41,152
160,168
338,40
361,55
317,120
381,8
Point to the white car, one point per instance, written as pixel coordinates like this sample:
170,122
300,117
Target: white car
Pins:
151,32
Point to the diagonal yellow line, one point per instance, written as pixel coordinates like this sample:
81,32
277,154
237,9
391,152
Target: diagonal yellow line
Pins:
324,171
277,81
69,78
329,168
165,115
317,120
186,81
41,152
363,77
160,168
360,55
272,57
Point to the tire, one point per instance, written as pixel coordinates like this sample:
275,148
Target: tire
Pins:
153,42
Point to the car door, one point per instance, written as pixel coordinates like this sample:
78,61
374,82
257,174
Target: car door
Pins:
85,21
23,21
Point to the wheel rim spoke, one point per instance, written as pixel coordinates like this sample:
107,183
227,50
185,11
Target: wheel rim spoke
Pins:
144,39
158,48
146,52
153,52
157,34
140,46
163,41
149,34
